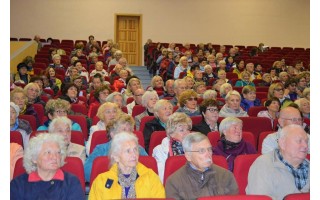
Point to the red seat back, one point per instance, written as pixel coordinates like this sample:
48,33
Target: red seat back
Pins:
98,137
137,110
81,120
156,139
144,120
31,119
254,110
79,108
262,136
298,196
242,164
16,137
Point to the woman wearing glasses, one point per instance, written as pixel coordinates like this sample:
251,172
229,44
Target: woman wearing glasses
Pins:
231,143
210,114
57,108
188,101
277,90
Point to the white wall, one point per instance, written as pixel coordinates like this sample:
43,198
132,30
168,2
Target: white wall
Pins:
243,22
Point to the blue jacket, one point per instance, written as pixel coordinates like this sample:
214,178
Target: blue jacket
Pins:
102,150
68,189
45,126
245,105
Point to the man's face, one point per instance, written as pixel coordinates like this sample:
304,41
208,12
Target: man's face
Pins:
138,96
169,87
202,159
182,86
290,116
250,67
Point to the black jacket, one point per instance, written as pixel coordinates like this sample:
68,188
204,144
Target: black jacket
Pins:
150,127
202,127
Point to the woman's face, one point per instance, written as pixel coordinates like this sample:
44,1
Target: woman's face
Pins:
72,92
184,62
274,106
127,157
59,112
126,127
158,82
251,96
39,83
305,107
211,114
164,112
96,82
208,70
222,75
52,73
109,114
201,89
151,102
32,92
267,79
78,82
278,92
227,89
124,74
180,132
246,77
79,53
191,102
241,65
190,82
302,83
284,77
49,158
19,99
13,116
79,66
134,85
103,95
118,100
233,102
234,133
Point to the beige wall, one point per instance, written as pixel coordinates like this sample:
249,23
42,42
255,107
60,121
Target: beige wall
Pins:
20,50
243,22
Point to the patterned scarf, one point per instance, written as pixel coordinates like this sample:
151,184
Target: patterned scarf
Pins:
176,147
127,184
227,144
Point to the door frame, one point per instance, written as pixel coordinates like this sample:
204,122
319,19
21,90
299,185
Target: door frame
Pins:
116,15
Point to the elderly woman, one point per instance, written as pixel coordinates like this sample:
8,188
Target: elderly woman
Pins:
122,122
70,93
116,56
231,143
224,89
22,75
133,83
57,108
273,107
19,97
210,114
20,125
63,126
277,90
149,99
50,73
245,80
120,84
157,83
106,112
304,107
249,98
266,80
306,93
188,101
128,178
182,67
44,179
100,97
232,107
115,97
200,88
301,83
190,82
162,110
32,91
178,126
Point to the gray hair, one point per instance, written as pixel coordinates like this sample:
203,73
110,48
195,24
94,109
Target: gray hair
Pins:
117,143
58,120
190,139
176,119
56,56
223,88
147,96
207,66
233,92
227,122
160,104
208,93
32,152
15,107
177,83
287,129
29,85
110,97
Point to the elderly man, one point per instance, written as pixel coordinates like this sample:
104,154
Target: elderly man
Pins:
115,72
179,86
137,96
199,177
62,126
284,170
169,89
56,62
250,69
287,116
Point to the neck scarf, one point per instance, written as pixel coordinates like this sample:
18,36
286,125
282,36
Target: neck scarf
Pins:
15,126
176,147
127,183
227,144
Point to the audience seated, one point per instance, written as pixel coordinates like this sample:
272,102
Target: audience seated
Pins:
249,98
232,107
273,108
149,99
188,103
22,75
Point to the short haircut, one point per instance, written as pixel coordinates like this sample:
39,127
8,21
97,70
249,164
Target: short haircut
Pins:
110,97
233,92
287,129
101,89
64,120
160,104
185,95
32,151
223,88
207,103
103,107
147,96
53,104
208,93
117,143
18,90
190,139
175,120
248,88
289,82
227,122
66,87
29,85
269,101
121,119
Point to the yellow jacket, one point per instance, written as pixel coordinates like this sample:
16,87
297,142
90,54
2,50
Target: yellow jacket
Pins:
148,184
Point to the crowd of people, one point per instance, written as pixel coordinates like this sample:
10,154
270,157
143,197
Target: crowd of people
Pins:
186,83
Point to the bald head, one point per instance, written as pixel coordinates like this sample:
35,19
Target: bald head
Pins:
289,115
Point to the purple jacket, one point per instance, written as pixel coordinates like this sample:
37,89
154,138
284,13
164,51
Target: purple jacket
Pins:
231,154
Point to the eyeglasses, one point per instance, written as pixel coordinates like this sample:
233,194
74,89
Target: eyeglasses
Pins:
294,120
61,111
213,110
192,98
278,89
203,150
